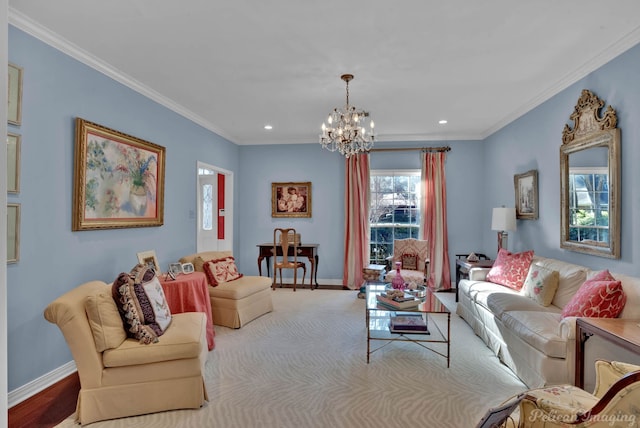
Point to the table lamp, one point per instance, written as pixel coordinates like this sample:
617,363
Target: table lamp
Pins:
503,219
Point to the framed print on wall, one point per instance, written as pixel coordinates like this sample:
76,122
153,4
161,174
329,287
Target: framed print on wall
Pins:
148,258
291,199
118,179
14,95
526,186
13,163
13,233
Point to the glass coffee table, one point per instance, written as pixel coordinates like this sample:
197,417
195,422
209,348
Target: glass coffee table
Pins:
430,309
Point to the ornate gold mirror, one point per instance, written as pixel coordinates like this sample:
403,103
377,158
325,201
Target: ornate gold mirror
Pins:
590,180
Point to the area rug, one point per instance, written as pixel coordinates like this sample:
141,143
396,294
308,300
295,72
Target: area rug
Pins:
304,365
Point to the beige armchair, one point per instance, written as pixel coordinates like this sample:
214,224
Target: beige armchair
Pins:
234,303
413,254
120,377
614,401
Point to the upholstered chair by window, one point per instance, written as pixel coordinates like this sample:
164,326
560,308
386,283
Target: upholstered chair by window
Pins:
413,255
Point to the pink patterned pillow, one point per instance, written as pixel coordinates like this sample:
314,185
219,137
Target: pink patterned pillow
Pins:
510,269
221,270
598,297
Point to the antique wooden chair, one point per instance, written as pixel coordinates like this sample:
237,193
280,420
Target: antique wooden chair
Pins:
283,241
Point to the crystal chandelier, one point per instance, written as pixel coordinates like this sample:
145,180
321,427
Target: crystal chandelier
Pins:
345,131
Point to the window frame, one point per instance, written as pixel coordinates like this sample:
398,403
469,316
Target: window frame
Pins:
383,233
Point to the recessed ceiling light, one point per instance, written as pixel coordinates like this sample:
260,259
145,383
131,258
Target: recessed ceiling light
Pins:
268,127
442,122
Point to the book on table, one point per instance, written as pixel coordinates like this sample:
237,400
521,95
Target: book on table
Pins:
405,302
408,323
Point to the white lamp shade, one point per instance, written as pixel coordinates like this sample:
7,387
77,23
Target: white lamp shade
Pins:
503,219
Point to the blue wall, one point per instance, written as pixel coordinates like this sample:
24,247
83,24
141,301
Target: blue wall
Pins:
53,259
56,89
533,142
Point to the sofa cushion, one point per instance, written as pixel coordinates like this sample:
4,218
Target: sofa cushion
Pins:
240,288
631,287
221,270
141,303
180,341
474,288
510,269
104,319
499,303
570,278
599,298
541,284
538,329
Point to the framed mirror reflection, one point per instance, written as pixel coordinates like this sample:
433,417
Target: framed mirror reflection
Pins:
590,180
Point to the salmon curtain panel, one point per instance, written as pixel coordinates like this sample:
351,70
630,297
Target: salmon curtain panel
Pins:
434,220
356,228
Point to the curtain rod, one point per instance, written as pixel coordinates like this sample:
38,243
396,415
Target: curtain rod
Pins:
422,149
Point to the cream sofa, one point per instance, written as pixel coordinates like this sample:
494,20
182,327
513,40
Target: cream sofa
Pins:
234,303
121,377
533,340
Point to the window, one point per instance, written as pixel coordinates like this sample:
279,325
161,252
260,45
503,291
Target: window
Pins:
589,204
394,211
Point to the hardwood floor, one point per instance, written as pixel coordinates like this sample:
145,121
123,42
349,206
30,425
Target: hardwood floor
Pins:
47,408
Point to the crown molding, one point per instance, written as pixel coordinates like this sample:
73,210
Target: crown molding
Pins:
608,54
31,27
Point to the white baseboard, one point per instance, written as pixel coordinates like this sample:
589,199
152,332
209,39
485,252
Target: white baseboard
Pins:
20,394
289,281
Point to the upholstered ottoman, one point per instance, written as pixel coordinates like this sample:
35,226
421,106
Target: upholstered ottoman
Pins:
237,302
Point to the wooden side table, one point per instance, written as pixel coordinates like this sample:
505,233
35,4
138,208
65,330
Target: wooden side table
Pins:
622,332
463,267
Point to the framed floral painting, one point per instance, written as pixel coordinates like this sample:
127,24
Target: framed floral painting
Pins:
118,179
291,199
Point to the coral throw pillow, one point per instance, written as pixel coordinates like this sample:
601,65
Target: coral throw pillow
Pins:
221,270
510,269
599,297
541,284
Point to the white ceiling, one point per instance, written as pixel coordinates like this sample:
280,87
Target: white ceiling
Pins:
234,66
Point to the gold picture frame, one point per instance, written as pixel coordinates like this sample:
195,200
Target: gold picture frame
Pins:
13,162
118,179
291,199
14,95
148,258
526,187
13,233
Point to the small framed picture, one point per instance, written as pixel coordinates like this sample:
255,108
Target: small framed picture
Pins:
13,163
148,258
13,233
187,268
14,95
175,268
526,186
291,199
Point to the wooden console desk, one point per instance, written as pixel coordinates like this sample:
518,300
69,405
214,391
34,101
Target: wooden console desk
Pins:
310,251
622,332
